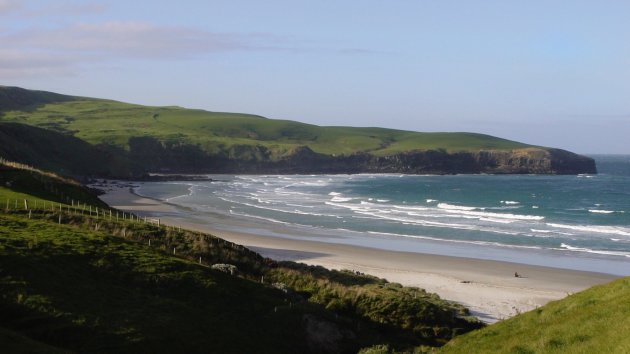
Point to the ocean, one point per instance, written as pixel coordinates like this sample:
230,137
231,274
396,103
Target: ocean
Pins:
576,222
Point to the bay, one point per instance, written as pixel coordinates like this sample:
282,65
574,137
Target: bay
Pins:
578,222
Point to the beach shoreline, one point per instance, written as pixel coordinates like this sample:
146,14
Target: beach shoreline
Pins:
488,288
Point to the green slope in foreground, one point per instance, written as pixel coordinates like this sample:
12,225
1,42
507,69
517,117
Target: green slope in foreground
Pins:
125,139
596,320
76,280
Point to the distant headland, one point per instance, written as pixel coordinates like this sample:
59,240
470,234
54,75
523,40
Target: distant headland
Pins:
82,136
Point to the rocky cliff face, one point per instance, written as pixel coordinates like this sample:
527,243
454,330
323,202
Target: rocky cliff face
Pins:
522,161
71,156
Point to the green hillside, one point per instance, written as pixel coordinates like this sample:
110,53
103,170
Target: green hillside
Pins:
129,140
63,153
596,320
109,122
76,276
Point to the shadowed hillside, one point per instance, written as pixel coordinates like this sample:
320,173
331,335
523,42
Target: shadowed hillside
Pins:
77,276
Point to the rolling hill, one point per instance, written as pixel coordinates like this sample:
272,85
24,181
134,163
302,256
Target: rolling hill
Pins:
153,139
596,320
77,276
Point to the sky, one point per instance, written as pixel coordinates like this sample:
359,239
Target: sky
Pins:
552,73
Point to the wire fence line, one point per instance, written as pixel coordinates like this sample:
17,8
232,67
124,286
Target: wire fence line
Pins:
38,206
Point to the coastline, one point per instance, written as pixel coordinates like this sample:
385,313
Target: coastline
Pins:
488,288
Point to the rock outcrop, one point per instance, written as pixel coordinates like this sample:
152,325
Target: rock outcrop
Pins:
522,161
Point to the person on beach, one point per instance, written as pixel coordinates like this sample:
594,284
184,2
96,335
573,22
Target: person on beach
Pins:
516,275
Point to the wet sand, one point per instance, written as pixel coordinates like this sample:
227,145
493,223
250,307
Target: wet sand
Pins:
488,288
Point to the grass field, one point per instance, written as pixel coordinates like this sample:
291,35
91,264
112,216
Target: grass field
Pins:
596,320
109,122
76,280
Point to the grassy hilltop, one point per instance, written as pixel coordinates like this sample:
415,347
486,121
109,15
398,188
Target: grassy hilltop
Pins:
76,276
110,122
134,138
596,320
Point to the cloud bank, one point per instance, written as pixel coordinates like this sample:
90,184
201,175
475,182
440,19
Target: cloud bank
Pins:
63,49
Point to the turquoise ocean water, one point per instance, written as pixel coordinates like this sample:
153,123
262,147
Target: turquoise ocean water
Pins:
578,222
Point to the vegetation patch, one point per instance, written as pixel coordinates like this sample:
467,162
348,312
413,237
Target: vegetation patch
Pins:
592,321
81,277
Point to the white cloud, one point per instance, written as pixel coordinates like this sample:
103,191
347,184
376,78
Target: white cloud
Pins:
15,64
30,8
136,39
132,39
67,47
68,8
8,6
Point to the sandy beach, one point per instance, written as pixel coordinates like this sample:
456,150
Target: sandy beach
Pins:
488,288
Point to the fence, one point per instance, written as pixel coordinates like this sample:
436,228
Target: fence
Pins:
13,205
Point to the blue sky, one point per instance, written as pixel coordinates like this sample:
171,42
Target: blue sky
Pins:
553,73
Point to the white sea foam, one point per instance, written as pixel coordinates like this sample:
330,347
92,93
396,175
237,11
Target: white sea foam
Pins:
294,211
266,197
455,207
541,231
340,199
480,243
300,205
410,208
260,218
470,211
376,214
556,232
598,211
588,250
614,230
500,221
